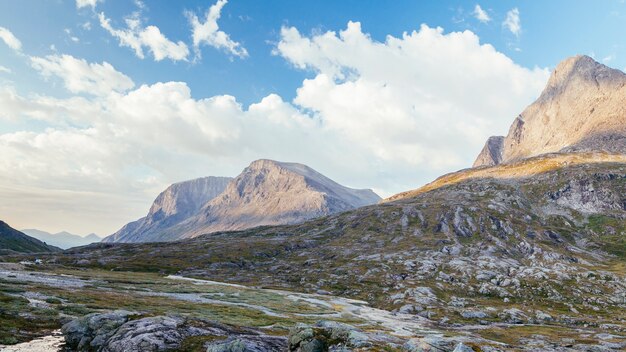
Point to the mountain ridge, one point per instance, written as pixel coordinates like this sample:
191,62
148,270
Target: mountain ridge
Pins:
63,239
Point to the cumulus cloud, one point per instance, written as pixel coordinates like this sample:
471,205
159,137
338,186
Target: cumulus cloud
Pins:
481,14
512,22
10,40
424,106
391,126
87,3
136,37
208,32
79,76
4,69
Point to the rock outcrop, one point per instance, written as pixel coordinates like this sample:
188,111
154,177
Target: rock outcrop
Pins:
492,152
123,331
173,206
582,108
266,193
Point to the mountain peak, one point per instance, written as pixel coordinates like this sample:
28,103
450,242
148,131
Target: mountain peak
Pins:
581,109
581,71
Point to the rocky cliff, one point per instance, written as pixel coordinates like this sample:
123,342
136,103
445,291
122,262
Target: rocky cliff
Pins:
172,207
582,108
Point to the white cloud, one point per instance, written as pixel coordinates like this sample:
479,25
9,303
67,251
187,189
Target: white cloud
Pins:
85,3
9,39
512,22
136,37
481,14
390,126
5,69
208,32
79,76
608,58
424,106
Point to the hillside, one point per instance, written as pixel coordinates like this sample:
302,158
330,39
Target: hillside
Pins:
12,240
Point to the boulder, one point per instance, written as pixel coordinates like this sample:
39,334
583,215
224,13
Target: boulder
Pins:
90,332
248,343
326,336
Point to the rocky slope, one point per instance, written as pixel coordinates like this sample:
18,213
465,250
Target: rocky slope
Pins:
266,193
64,239
12,240
173,206
472,251
582,108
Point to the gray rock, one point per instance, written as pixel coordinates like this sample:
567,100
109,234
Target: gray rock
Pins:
150,334
471,314
326,336
462,348
429,344
248,344
92,331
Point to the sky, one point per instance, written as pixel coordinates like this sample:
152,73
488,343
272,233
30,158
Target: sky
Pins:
104,103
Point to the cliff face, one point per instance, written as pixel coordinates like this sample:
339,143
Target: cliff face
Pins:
173,206
582,108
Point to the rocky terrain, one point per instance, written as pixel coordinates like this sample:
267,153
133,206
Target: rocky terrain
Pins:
173,206
528,254
582,108
12,240
64,239
266,193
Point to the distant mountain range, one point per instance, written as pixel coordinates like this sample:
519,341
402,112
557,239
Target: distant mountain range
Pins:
266,193
12,240
62,239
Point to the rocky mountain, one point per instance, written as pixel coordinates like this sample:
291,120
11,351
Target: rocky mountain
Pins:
267,192
12,240
272,193
582,108
62,239
484,251
172,207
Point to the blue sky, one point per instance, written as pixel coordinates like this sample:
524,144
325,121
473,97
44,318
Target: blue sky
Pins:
550,31
388,103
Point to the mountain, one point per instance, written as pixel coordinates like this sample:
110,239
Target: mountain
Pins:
62,239
266,193
272,193
173,206
582,108
540,242
13,240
